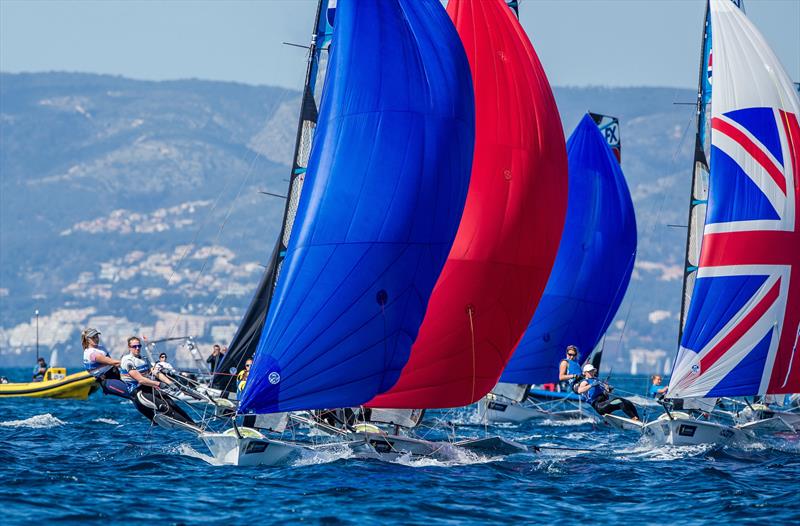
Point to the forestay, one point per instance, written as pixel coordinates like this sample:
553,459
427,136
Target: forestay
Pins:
380,206
742,327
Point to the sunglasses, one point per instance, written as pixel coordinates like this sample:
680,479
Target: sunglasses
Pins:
247,365
135,346
571,354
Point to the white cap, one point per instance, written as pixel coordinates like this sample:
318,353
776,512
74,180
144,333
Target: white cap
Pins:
589,367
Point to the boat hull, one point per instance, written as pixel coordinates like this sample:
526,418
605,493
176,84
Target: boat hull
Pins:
691,432
250,451
77,386
508,412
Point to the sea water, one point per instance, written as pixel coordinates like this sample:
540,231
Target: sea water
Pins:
99,461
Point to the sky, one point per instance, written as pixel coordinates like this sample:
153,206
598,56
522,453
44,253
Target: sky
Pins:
580,42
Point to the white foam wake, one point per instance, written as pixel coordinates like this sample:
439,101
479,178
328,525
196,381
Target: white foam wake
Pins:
109,421
35,422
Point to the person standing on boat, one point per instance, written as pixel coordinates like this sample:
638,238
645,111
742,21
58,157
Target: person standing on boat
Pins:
569,369
214,359
39,370
656,391
596,393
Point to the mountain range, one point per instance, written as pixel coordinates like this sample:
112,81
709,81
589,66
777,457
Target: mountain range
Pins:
139,207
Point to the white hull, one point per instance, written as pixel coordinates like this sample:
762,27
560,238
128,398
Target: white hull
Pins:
622,423
232,450
770,421
690,432
497,412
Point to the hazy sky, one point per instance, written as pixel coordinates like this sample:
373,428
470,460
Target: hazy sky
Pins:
580,42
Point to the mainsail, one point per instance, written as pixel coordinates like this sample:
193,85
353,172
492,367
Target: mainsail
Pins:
593,266
512,221
244,342
741,332
384,192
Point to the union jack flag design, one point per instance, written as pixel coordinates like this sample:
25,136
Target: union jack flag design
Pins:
743,325
743,320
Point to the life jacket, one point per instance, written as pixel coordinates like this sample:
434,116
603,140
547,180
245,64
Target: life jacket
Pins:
130,362
594,392
573,367
89,355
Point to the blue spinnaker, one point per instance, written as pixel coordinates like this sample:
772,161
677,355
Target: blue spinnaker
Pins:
593,266
382,200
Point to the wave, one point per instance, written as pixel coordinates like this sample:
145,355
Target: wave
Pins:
44,421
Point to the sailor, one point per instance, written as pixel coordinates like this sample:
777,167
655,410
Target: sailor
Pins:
215,358
241,377
39,370
656,391
569,369
163,365
146,393
596,393
135,369
95,355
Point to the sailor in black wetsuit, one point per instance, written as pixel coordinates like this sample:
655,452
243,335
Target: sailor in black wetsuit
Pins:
145,392
596,393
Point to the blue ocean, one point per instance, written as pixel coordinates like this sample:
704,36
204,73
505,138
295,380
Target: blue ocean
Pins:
98,461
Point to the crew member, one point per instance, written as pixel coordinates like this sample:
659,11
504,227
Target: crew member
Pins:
39,370
146,393
161,367
656,391
95,355
241,377
214,359
569,369
596,393
133,367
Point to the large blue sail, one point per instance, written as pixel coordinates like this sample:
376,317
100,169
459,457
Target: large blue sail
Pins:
593,266
382,199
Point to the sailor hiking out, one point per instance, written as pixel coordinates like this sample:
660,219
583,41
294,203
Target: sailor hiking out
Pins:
596,393
145,391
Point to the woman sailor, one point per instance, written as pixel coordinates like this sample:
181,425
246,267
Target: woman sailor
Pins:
569,369
596,393
96,356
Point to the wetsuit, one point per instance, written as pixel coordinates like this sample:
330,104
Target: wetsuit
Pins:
573,367
597,397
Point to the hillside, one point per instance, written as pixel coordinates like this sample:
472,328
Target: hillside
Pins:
134,206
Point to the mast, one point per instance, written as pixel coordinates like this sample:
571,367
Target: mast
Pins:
698,195
246,339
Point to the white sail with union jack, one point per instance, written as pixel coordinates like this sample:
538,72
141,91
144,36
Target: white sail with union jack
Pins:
742,327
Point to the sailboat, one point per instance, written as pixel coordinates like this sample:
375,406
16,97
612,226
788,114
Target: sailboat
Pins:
507,237
741,318
383,194
589,279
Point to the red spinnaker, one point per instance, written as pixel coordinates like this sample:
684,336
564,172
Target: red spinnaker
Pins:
511,226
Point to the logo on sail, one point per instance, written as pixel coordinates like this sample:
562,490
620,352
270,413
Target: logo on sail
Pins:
274,377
